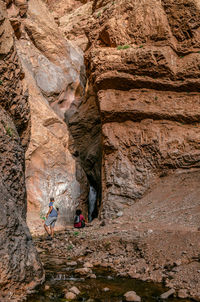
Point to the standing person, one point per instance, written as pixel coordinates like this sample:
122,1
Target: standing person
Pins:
79,220
51,218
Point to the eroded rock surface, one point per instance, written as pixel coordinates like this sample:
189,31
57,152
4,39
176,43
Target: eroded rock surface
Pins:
20,267
85,144
144,64
55,76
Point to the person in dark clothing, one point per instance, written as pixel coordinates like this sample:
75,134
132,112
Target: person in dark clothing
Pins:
51,218
79,220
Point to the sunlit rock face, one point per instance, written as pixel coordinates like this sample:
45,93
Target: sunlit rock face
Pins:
20,268
76,30
55,77
143,61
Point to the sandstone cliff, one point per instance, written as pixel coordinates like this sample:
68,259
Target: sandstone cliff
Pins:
20,267
132,125
55,76
142,59
144,63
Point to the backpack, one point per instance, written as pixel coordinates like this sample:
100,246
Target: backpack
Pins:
77,219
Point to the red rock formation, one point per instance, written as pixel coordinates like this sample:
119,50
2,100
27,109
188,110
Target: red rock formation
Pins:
143,60
20,267
55,77
144,63
76,31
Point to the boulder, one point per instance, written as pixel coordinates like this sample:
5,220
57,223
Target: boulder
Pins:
71,263
88,264
132,296
182,293
83,271
70,296
106,289
167,294
75,290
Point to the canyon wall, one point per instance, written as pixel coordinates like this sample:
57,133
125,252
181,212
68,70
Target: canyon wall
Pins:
142,59
55,76
137,119
128,122
144,63
20,266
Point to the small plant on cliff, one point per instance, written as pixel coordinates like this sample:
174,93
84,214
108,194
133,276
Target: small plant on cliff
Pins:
123,47
70,247
76,233
99,14
1,82
107,244
9,131
126,46
42,217
141,46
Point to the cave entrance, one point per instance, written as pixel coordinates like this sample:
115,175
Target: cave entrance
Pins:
94,200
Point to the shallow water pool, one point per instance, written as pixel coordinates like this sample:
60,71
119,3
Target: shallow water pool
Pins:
59,278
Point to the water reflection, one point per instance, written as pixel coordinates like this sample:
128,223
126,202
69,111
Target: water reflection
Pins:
92,289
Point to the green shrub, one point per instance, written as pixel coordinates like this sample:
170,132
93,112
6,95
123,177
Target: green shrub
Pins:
42,217
9,131
126,46
123,47
70,247
1,82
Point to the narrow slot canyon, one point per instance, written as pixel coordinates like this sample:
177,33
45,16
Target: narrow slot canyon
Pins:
100,110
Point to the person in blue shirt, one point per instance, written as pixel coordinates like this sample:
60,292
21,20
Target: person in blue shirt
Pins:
51,218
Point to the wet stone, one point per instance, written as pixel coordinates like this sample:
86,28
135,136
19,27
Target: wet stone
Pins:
182,293
71,263
75,290
132,296
167,294
70,296
106,289
87,264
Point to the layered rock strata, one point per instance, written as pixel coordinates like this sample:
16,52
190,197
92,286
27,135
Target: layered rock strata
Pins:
20,266
142,58
144,64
